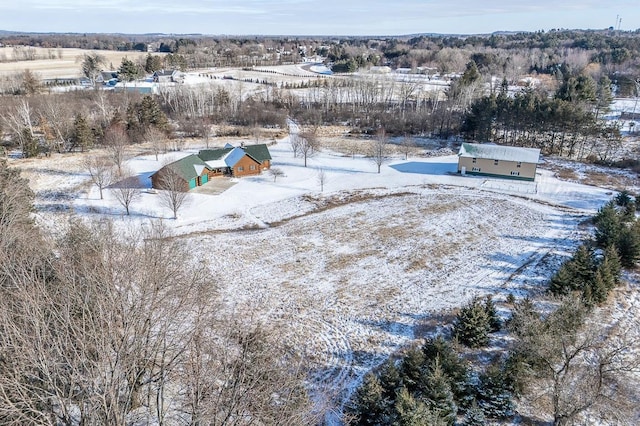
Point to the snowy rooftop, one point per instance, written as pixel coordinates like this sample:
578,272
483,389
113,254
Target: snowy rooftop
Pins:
499,152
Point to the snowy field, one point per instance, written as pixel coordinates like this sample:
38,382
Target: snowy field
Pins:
357,270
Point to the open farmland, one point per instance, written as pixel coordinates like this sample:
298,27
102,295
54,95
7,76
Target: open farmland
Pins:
56,63
355,282
360,270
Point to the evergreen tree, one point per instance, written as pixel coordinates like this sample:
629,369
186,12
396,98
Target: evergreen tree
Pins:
611,261
440,351
608,226
598,288
493,393
29,143
439,397
629,246
472,325
389,376
494,320
411,370
623,198
128,70
563,281
411,412
582,267
369,405
474,416
82,133
152,63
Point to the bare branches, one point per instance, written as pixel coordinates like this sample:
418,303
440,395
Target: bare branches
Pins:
100,171
127,189
378,150
307,144
174,194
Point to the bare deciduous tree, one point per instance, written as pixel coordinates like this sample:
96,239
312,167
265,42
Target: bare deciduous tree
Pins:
127,189
156,139
321,176
100,171
378,149
116,140
577,367
308,144
173,195
276,172
407,146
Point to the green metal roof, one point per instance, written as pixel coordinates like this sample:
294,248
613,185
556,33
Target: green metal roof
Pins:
213,154
260,152
187,167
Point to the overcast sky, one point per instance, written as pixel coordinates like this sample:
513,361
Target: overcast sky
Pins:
314,17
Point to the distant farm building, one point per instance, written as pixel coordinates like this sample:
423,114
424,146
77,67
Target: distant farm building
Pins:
168,76
498,161
196,170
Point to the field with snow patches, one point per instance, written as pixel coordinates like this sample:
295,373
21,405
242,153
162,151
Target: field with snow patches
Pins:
361,269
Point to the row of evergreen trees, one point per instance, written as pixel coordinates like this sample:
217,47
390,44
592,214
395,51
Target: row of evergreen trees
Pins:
595,268
433,384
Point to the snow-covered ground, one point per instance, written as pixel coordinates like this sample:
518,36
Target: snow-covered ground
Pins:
355,269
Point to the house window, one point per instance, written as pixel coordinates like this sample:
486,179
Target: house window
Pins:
474,160
495,162
519,164
475,169
252,167
515,173
241,169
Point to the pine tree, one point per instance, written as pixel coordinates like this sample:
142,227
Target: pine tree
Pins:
439,397
390,380
583,266
411,370
472,325
474,416
612,261
128,70
29,143
598,289
369,402
563,282
493,394
82,133
608,226
494,320
409,411
629,246
440,351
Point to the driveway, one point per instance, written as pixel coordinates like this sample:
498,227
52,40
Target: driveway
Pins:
215,186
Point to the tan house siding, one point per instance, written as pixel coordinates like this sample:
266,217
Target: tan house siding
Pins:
503,168
247,166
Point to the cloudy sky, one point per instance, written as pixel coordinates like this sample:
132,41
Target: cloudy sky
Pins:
314,17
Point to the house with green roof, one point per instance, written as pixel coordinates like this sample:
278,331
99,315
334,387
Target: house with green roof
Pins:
498,161
196,170
189,172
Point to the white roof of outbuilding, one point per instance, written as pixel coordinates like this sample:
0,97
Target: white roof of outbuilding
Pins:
500,152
